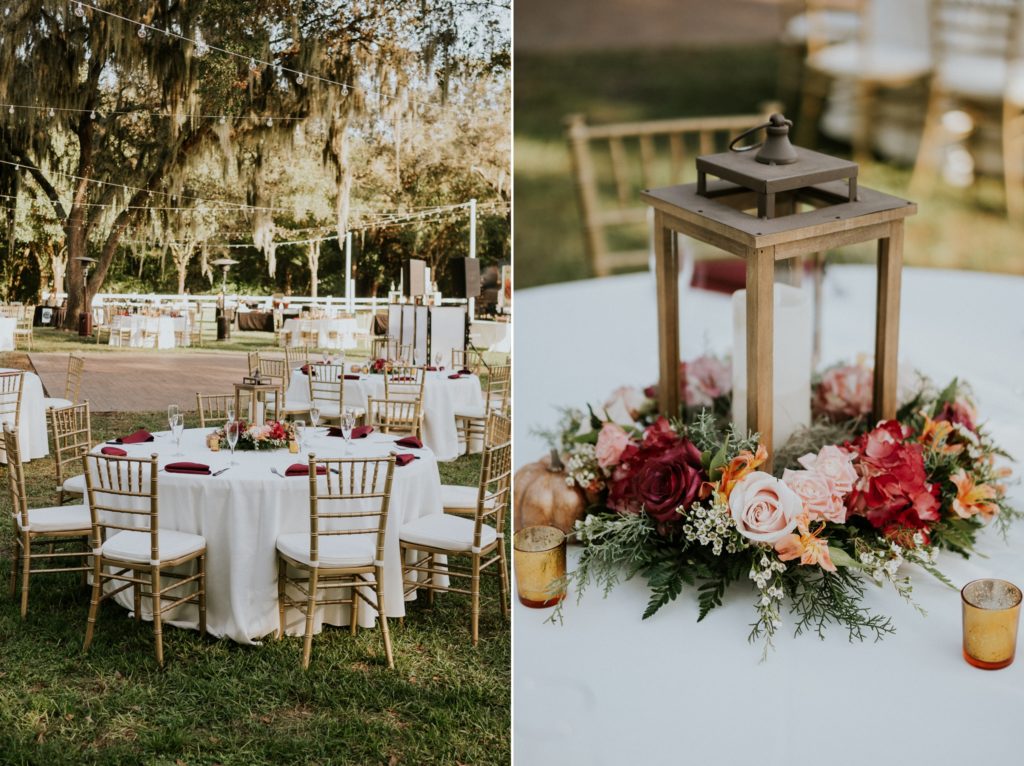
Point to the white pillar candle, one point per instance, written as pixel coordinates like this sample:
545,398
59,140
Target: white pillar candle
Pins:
792,361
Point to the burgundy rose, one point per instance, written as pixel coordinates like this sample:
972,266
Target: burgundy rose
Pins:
892,489
959,412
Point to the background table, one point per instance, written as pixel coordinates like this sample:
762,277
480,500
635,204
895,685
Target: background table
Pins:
163,326
442,398
32,435
346,329
606,686
7,327
242,512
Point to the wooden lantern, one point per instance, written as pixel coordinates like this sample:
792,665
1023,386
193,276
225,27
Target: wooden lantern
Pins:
713,212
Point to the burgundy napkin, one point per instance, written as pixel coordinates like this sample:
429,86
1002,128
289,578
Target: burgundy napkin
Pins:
404,377
404,459
306,371
410,441
359,432
302,469
455,376
198,468
465,371
350,376
142,435
430,369
117,451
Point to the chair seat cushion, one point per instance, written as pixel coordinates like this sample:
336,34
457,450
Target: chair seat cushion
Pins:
335,550
442,530
887,64
979,77
76,484
58,518
478,412
56,403
134,546
833,25
462,497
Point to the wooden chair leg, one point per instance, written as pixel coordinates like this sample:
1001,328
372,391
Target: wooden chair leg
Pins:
202,595
15,564
26,561
476,598
94,601
137,597
354,616
430,591
383,618
503,573
925,165
282,586
307,642
158,625
1013,160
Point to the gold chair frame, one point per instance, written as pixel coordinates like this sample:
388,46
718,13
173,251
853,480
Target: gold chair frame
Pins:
402,416
71,430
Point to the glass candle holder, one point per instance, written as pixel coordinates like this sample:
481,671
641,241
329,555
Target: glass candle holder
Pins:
539,558
991,612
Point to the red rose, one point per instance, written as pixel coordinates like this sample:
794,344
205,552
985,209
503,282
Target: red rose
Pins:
663,475
892,490
959,412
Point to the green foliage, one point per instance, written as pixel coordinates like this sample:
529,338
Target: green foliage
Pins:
819,599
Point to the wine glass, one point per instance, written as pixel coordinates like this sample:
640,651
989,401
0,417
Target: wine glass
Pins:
231,432
172,412
177,426
230,410
348,420
314,416
438,358
300,428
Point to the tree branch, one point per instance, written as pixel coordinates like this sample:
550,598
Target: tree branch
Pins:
43,183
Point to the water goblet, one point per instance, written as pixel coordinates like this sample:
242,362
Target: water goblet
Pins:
231,429
314,416
177,426
438,358
172,412
300,427
348,421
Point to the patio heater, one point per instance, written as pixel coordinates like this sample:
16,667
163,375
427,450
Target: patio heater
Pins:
85,316
223,318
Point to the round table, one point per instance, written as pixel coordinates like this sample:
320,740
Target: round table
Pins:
32,436
442,398
607,686
242,511
162,328
345,329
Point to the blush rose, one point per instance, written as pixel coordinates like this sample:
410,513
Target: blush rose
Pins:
765,509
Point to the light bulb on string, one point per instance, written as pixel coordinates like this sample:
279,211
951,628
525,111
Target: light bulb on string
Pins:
202,48
79,10
92,115
252,65
270,122
344,90
10,110
223,120
299,79
143,33
51,113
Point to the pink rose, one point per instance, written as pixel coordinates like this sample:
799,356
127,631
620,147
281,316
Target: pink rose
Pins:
765,510
704,379
816,495
835,464
611,443
624,405
845,392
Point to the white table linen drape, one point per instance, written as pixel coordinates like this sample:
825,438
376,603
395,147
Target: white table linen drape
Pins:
7,328
346,327
32,434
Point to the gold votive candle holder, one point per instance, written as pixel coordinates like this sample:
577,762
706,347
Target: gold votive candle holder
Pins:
539,557
991,613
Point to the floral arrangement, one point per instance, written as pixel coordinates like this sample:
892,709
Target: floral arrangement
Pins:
686,502
379,366
271,435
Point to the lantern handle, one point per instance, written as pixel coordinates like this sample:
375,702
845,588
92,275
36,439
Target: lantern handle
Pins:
775,121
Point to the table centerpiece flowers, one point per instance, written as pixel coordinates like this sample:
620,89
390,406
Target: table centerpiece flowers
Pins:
380,366
685,502
272,434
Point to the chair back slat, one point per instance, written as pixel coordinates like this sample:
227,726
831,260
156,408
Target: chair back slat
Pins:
327,386
71,429
15,478
123,494
404,382
213,408
73,383
401,416
985,29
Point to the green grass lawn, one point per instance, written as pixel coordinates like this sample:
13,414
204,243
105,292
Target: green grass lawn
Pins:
955,228
216,702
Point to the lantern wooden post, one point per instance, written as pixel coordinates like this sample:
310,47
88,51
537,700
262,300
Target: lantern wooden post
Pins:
840,214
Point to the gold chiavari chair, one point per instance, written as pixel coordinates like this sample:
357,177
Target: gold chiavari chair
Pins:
392,416
309,334
460,499
405,354
71,429
384,348
11,384
296,356
104,325
343,549
41,528
23,330
468,359
213,408
497,398
404,382
481,538
124,499
277,371
72,385
327,391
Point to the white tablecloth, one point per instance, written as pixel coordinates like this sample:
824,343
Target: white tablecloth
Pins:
442,398
607,687
242,512
7,327
346,329
163,326
32,433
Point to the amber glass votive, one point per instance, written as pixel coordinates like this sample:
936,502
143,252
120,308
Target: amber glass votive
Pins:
991,612
539,557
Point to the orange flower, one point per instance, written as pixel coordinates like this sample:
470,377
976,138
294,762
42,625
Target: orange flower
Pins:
741,465
934,434
808,547
973,498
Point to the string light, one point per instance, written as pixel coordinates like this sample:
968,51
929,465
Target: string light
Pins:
223,118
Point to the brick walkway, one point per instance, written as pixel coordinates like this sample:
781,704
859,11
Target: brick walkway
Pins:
143,382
